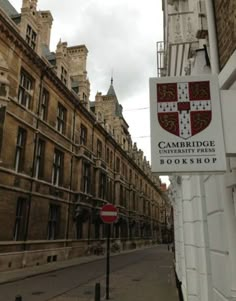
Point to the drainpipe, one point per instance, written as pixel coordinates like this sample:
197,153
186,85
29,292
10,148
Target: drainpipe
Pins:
212,37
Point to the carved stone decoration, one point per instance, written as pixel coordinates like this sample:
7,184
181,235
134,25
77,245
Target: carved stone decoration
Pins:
189,34
178,35
4,83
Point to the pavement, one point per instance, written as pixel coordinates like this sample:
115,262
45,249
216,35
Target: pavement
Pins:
149,280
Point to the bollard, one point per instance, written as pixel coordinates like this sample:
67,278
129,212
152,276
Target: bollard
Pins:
97,292
18,298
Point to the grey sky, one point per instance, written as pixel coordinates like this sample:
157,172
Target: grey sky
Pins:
121,37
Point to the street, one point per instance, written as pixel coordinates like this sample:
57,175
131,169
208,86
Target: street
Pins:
144,273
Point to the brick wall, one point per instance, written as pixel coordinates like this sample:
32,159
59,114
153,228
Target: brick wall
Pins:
225,13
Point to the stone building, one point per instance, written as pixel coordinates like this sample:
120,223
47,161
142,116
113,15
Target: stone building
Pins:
199,39
62,157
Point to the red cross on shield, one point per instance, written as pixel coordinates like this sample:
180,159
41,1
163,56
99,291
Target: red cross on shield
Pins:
184,108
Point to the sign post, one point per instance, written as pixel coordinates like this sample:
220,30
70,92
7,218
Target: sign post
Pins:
108,215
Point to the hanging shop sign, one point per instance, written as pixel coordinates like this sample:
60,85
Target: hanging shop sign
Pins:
186,125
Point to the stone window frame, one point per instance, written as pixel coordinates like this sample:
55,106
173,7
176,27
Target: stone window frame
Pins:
83,134
31,37
64,75
44,104
25,91
53,221
102,193
40,159
19,227
109,190
58,168
99,148
20,149
61,118
108,155
86,178
118,163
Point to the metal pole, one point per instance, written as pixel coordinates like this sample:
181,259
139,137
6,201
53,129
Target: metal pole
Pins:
108,260
97,292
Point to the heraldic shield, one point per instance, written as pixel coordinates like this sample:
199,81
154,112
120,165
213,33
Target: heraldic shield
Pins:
184,108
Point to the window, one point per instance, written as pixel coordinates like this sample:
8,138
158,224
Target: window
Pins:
39,170
126,197
79,228
44,104
2,120
20,150
124,170
102,186
86,184
31,37
83,135
84,97
19,228
117,164
110,191
58,167
61,119
99,148
75,89
111,159
134,201
121,196
3,89
53,221
25,89
63,75
108,155
130,176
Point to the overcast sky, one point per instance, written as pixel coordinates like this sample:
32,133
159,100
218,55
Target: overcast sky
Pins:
121,37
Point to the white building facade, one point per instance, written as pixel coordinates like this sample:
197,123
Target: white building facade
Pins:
204,205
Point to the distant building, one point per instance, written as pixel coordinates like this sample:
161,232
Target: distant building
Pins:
200,38
63,157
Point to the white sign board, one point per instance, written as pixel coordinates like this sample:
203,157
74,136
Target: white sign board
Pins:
186,125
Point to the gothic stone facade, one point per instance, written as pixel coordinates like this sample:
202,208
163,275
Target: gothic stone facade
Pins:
58,164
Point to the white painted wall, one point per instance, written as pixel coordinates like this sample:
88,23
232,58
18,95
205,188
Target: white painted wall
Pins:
205,207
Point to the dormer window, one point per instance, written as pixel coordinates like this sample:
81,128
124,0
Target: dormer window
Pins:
84,97
63,75
31,37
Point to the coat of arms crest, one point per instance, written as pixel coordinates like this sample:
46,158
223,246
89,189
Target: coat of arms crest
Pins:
184,108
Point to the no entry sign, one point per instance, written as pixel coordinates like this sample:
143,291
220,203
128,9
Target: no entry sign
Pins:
109,213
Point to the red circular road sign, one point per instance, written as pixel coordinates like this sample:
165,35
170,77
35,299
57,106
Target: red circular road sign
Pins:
109,213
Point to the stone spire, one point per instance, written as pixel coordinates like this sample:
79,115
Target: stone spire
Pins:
111,91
